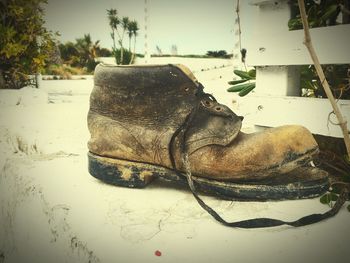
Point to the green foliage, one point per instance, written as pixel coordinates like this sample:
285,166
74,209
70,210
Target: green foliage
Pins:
63,71
57,70
328,198
25,44
127,55
320,14
217,54
245,88
68,51
119,27
337,76
87,52
331,197
133,29
333,159
81,54
104,52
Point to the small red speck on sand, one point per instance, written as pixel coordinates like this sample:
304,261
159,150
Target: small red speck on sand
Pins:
157,253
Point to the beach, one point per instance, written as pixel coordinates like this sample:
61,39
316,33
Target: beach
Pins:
52,210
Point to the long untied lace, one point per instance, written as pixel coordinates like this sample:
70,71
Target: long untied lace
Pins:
180,134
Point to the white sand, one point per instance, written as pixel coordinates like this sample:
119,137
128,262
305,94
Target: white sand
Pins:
52,210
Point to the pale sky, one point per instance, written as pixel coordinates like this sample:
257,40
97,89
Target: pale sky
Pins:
194,26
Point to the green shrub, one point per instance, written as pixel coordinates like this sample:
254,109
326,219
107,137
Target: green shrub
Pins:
25,44
63,71
127,56
82,53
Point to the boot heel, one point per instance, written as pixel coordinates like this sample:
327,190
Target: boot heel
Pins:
119,172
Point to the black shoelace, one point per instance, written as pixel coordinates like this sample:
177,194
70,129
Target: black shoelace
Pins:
181,133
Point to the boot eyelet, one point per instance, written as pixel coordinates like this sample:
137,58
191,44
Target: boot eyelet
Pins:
218,108
187,89
207,103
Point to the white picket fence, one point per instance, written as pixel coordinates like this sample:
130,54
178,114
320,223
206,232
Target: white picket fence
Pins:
278,53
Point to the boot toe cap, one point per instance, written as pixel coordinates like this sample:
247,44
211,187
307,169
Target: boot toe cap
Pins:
258,155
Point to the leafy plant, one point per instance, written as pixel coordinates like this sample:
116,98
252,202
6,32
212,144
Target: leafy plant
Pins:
81,54
25,44
104,52
333,159
87,50
63,71
319,14
122,55
133,28
244,85
127,56
331,197
338,77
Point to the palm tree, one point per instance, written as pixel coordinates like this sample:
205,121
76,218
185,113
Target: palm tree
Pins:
87,51
134,28
114,21
126,25
125,22
82,46
112,12
130,34
94,49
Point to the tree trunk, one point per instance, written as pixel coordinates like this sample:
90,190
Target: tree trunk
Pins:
133,53
2,80
121,53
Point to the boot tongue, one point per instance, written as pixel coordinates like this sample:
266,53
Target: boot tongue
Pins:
216,125
213,124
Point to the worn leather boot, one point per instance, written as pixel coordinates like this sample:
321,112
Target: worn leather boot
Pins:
156,121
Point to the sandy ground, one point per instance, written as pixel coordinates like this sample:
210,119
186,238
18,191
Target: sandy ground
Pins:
52,210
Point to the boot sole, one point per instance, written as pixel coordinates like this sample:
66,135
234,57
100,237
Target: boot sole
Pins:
301,183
